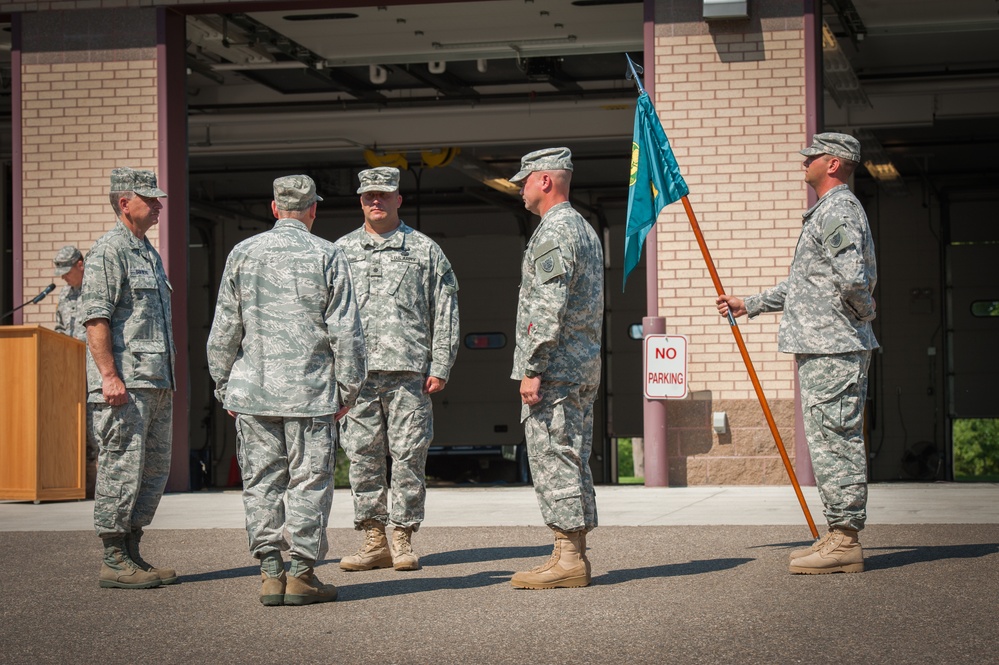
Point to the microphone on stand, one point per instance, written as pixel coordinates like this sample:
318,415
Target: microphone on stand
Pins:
34,301
41,296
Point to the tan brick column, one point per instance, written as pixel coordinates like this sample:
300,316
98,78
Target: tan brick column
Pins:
76,125
731,96
91,94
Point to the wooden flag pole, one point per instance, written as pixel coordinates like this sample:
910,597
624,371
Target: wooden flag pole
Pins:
749,366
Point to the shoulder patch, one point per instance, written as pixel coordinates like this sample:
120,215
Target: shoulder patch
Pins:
548,266
446,273
835,236
544,248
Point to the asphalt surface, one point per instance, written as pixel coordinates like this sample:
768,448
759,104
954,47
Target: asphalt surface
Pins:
661,593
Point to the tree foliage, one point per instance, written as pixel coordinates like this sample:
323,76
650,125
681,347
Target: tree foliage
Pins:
976,447
625,458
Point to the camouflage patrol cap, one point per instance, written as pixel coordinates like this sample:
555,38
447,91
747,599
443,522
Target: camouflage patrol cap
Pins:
295,192
381,179
65,259
142,183
546,159
839,145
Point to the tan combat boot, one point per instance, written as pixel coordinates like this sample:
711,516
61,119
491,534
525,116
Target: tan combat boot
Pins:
304,588
567,567
120,572
374,553
166,575
815,547
403,557
273,579
841,553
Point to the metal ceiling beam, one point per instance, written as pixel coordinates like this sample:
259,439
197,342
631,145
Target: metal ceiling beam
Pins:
315,64
446,83
199,67
564,84
850,19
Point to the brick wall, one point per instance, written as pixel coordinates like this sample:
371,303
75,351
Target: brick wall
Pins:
732,102
76,126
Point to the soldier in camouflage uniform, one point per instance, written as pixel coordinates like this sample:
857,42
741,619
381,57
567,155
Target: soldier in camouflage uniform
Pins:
828,307
130,378
408,297
69,266
286,350
557,361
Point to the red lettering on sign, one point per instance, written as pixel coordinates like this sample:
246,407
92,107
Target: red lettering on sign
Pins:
674,378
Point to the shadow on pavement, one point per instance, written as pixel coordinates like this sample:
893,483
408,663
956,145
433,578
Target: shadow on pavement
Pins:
229,573
669,570
480,554
791,545
898,556
368,590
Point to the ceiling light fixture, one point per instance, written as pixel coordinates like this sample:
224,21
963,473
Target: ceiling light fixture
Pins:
259,66
514,44
484,173
840,79
879,164
502,185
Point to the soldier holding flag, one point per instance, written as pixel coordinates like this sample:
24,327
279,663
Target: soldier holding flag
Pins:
828,307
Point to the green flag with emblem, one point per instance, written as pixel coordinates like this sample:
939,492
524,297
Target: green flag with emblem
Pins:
655,180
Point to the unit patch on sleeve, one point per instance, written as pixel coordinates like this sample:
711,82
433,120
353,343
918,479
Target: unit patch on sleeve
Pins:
548,262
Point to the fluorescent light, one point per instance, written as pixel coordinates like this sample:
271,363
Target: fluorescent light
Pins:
241,66
879,164
882,171
513,44
502,185
840,79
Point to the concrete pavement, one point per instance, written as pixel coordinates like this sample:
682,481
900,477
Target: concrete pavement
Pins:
618,505
680,575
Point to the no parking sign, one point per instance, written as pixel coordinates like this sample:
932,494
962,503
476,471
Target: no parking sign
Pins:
665,366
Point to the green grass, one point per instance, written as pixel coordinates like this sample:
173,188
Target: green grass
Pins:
987,478
630,480
340,477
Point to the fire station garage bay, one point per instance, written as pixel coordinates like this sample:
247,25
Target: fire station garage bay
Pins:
222,97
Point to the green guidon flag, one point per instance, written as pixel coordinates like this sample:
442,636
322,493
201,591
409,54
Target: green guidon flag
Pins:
655,180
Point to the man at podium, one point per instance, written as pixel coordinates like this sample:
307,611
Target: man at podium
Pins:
69,267
130,378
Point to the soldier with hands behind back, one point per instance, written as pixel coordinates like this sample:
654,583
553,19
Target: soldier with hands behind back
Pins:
286,351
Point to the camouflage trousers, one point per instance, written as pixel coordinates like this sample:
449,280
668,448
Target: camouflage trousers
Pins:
833,393
287,469
559,433
93,447
394,418
133,463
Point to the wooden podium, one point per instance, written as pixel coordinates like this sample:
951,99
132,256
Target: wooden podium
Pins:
43,401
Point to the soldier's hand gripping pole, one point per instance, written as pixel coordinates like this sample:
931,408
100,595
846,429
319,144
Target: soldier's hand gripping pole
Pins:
749,367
